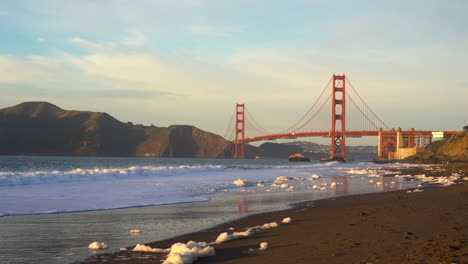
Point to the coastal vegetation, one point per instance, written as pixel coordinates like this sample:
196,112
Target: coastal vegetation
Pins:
453,149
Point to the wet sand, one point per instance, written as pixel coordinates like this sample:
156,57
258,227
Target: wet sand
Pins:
392,227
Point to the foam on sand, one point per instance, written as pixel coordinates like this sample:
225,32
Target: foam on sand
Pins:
314,177
224,237
415,191
144,248
181,253
240,182
242,234
97,245
263,246
269,225
135,231
444,181
286,220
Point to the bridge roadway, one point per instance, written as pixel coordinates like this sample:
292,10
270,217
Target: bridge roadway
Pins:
418,133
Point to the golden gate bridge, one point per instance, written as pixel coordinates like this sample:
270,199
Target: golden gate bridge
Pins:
339,112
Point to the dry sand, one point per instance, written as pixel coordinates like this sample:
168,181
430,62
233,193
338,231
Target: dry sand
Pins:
392,227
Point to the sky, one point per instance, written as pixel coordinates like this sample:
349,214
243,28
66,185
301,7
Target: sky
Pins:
166,62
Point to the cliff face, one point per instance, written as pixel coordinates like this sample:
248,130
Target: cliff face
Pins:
41,128
452,149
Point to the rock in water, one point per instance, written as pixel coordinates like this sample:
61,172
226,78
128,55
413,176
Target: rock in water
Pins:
298,157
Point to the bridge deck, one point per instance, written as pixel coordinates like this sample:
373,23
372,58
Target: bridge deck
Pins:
419,133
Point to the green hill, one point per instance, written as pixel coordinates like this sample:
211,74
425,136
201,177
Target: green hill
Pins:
41,128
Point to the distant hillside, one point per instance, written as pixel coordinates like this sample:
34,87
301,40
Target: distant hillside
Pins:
452,149
309,149
41,128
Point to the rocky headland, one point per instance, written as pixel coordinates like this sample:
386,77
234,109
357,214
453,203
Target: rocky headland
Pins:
453,149
41,128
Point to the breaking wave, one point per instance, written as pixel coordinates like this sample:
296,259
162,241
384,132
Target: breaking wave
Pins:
99,174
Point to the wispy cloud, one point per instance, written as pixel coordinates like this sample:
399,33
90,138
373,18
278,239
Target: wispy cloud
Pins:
213,30
134,38
92,46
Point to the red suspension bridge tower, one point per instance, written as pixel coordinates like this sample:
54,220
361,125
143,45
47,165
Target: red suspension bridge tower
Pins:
338,115
240,132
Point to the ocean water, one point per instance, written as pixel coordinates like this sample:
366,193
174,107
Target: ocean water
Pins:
52,208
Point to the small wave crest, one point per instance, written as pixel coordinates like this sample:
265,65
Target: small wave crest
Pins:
9,178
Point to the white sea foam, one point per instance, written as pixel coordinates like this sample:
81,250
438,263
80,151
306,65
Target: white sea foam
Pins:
145,248
269,225
240,182
263,246
224,237
15,178
181,253
97,245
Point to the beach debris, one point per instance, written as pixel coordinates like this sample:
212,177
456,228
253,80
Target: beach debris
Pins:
135,231
144,248
286,220
97,245
181,253
240,182
263,246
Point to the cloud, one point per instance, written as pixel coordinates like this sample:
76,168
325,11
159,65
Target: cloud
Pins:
134,38
212,30
92,46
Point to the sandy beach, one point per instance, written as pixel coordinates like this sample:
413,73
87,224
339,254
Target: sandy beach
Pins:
391,227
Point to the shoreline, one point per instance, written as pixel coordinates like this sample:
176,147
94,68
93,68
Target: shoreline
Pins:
347,250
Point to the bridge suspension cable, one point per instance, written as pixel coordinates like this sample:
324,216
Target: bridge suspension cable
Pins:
308,111
230,127
315,114
255,123
367,106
